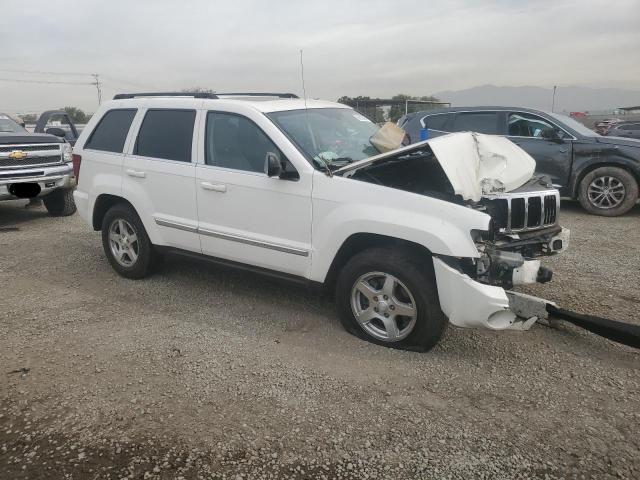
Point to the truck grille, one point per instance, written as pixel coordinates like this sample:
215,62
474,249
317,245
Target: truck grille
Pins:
521,212
34,155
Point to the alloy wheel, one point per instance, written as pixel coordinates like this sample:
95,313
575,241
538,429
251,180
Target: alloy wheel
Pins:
123,242
606,192
383,306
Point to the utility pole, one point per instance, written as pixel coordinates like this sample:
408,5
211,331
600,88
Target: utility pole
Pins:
96,76
553,100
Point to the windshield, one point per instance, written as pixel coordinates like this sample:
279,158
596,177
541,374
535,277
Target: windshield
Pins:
9,126
574,125
330,137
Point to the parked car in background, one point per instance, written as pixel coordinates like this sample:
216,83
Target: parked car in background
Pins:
625,129
403,237
603,126
602,172
57,122
34,165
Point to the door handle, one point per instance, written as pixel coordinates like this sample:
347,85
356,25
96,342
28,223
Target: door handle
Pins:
214,187
136,173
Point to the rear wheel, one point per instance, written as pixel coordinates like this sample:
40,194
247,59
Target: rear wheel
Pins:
126,243
389,297
608,191
60,203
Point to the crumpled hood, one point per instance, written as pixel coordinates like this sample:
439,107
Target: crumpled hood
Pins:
474,163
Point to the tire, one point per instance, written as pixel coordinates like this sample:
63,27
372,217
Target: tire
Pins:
619,191
414,284
60,203
122,225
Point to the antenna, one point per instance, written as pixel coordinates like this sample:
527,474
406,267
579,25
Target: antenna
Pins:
304,90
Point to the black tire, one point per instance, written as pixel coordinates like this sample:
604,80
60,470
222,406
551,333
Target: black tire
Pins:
60,203
620,175
146,255
415,271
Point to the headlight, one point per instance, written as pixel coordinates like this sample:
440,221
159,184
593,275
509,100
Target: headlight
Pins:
66,153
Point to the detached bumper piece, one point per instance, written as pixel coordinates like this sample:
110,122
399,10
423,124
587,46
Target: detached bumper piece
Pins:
471,304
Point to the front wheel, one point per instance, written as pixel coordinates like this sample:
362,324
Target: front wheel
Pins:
389,297
608,191
60,203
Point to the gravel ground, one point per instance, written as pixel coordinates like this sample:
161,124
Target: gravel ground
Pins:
201,372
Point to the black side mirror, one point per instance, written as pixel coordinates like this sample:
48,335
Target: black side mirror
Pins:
272,165
552,135
58,132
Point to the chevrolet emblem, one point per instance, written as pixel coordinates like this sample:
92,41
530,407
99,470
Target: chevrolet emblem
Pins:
17,155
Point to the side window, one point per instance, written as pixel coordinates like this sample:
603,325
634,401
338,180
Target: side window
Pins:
166,134
233,141
632,126
481,122
527,125
440,121
111,131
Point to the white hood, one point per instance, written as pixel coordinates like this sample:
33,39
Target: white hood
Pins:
475,164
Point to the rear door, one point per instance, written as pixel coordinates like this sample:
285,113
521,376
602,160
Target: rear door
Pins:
159,176
549,145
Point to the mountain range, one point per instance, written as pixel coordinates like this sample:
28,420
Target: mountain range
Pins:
568,99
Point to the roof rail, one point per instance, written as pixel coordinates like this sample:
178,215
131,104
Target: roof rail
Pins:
257,94
121,96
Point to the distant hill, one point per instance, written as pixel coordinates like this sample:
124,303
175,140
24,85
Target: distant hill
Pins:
568,99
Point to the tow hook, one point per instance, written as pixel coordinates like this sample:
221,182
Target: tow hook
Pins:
544,275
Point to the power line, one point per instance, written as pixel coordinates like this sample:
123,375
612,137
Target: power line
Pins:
51,82
40,72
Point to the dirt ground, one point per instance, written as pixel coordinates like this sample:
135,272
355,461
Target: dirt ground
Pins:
201,372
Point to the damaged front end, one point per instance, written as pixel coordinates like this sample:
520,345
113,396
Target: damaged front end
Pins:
492,175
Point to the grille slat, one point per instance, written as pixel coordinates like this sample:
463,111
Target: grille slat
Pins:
29,162
28,148
513,213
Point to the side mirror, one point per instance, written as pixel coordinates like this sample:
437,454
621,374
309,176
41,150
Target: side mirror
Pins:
58,132
552,135
272,165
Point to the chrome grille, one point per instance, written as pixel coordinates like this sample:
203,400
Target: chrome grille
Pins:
36,155
521,212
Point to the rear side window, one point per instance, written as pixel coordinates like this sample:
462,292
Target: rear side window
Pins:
166,134
111,131
437,122
481,122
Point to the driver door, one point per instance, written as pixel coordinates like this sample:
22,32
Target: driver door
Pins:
244,215
552,155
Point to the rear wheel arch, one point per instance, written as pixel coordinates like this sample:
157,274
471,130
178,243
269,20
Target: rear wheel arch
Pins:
359,242
102,205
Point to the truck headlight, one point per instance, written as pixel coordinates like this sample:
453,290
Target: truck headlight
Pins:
66,153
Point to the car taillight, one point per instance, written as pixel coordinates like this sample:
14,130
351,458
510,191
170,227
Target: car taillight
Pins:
76,159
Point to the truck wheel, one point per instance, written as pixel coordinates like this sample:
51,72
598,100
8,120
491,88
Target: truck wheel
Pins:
608,191
126,243
388,296
60,203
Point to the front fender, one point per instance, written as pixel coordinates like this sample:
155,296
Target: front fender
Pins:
441,227
587,159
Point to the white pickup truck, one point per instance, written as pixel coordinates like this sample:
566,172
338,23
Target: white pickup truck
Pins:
405,238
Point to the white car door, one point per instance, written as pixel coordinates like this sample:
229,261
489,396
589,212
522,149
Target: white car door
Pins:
244,215
159,176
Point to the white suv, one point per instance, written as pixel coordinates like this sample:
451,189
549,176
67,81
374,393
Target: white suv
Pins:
406,238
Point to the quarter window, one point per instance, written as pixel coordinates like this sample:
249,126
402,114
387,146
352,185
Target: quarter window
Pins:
111,131
166,134
233,141
526,125
481,122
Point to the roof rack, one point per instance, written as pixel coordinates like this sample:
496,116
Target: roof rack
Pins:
257,94
121,96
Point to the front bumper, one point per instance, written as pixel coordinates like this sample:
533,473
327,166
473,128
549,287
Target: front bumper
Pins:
48,178
471,304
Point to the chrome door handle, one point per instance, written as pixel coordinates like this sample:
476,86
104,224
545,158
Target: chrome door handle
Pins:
136,173
215,187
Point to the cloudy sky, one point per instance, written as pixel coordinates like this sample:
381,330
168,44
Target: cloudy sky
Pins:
367,47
